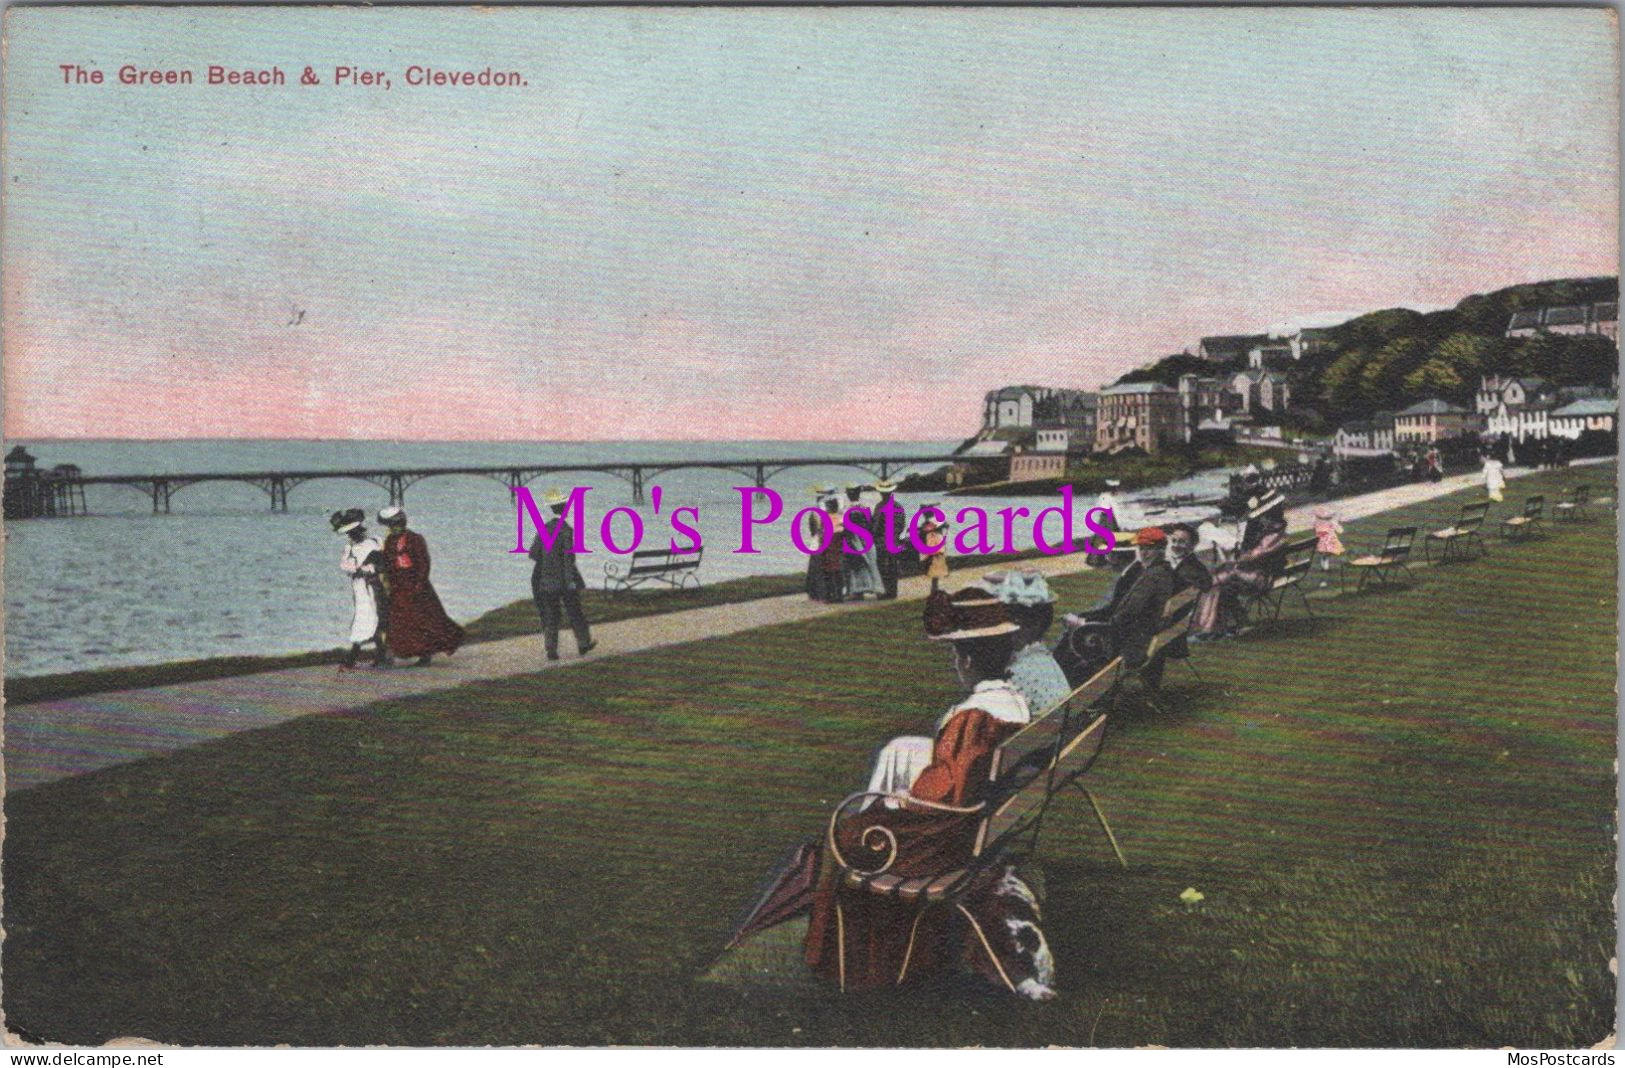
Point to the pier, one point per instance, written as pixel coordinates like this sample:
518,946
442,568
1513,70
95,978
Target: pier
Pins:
67,483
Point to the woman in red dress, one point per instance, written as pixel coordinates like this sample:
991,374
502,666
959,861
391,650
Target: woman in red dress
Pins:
418,625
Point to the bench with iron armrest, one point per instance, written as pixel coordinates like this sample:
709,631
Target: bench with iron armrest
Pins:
1299,554
1522,526
1459,535
677,570
1029,769
1384,561
1574,503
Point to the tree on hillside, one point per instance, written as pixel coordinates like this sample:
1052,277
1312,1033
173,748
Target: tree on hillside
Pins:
1168,369
1435,378
1564,359
1382,379
1340,384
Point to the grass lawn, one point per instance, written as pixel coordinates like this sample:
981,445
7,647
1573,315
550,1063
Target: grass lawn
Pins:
1400,814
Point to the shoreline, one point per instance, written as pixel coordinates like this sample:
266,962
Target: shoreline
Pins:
515,619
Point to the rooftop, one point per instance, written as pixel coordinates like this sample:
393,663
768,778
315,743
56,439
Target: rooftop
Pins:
1432,406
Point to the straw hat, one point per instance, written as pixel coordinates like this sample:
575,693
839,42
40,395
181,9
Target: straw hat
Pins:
969,613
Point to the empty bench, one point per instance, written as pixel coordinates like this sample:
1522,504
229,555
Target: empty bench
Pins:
1383,562
1574,503
1455,539
677,570
1517,527
1033,765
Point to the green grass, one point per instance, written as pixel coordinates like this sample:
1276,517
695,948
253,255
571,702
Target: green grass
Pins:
1400,814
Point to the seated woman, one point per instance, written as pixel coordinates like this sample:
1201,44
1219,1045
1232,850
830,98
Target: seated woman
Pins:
860,939
1260,557
1033,671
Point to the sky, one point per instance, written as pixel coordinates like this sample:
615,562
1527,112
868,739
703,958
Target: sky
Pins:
753,223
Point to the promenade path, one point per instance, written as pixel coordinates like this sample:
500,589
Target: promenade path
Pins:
50,740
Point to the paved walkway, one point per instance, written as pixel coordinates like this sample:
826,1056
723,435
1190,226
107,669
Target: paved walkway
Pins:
54,739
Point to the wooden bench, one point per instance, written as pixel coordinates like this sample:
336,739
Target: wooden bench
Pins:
1029,769
1455,538
1384,561
677,570
1299,554
1176,619
1573,504
1522,526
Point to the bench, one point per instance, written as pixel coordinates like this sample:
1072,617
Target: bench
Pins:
1455,538
1573,504
675,569
1176,619
1384,561
1299,554
1522,526
1029,769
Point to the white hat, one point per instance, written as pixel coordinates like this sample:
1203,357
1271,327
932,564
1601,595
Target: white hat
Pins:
391,514
1113,483
555,497
1025,586
885,486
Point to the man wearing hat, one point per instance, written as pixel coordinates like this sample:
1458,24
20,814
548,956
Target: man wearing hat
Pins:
418,624
1126,626
888,516
361,561
862,940
556,582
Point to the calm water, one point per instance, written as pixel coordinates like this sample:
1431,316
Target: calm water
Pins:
223,575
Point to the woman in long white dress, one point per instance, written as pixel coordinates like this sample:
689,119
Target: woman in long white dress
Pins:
1495,479
360,563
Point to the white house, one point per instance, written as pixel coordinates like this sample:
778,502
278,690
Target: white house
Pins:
1495,390
1592,413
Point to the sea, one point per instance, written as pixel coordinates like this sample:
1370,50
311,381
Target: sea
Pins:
223,575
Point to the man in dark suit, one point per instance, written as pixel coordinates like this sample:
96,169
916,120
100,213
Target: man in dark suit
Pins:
1130,619
556,582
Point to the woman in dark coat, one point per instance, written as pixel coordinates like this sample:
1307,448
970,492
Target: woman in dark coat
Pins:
418,625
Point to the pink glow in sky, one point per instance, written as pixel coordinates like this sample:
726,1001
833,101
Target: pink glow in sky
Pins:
748,224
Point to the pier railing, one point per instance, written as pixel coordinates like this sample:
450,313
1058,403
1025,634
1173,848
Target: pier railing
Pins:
160,489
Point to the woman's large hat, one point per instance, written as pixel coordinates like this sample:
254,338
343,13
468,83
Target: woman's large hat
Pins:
972,612
392,514
1257,506
885,486
347,520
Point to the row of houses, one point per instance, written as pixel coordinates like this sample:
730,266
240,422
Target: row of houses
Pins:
1522,408
1148,416
1601,318
1260,350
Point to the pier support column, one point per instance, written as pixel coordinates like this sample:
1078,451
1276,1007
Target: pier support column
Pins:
160,497
761,477
637,485
397,491
279,494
